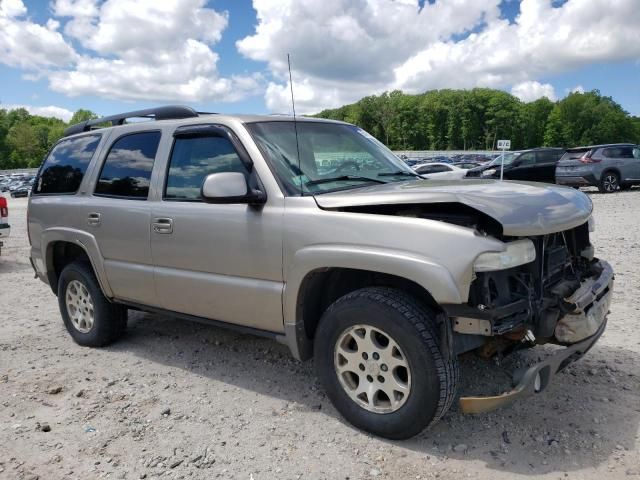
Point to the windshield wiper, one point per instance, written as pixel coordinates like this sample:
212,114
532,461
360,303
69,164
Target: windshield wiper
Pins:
399,172
342,178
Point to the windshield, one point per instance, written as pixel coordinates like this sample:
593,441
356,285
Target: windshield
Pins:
508,158
331,156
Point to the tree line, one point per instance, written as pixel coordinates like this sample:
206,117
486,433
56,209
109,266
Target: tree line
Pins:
25,139
476,119
435,120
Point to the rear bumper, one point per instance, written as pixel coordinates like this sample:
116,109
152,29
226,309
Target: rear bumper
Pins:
535,379
577,180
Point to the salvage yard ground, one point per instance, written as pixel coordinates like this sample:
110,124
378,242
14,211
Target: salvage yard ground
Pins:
182,400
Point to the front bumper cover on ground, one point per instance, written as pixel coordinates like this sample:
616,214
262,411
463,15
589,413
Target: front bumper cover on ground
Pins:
535,379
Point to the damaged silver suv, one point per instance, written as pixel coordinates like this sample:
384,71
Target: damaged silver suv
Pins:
313,233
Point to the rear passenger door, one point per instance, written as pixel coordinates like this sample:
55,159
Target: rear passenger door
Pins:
217,261
118,215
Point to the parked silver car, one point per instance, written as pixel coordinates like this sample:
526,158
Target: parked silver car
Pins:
381,276
609,167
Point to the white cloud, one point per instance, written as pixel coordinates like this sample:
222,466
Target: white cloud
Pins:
130,50
28,45
577,89
344,49
148,50
531,90
341,50
45,111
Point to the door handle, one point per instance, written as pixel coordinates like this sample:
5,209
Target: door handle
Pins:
163,225
93,219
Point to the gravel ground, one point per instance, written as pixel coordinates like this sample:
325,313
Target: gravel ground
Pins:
181,400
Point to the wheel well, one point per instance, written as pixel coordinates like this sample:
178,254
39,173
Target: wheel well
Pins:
321,288
611,169
60,254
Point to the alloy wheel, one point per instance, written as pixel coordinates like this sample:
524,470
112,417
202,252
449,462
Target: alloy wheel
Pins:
79,306
372,369
610,182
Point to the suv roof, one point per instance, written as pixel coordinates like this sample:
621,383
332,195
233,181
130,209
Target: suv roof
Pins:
178,114
590,147
538,149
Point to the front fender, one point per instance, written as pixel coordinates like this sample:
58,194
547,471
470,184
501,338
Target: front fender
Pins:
432,276
84,240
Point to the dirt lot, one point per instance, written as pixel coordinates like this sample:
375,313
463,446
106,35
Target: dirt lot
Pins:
182,400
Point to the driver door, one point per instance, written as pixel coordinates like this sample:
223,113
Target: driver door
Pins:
523,168
217,261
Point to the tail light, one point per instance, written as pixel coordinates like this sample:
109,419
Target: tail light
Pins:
586,158
4,210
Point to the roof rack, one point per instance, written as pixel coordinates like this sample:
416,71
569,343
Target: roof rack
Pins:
168,112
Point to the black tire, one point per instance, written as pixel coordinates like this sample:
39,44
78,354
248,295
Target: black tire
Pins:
109,319
413,328
609,182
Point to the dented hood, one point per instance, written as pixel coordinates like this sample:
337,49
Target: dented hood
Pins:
522,208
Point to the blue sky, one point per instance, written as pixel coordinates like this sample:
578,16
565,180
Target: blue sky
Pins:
57,56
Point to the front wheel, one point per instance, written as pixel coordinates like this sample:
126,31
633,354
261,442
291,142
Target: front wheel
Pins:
378,356
609,183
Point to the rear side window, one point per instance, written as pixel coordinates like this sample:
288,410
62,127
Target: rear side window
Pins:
547,156
618,152
66,165
193,159
126,172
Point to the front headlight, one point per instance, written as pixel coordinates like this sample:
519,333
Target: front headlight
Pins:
489,173
591,224
517,253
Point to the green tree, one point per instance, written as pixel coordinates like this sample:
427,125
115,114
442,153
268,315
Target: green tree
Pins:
81,116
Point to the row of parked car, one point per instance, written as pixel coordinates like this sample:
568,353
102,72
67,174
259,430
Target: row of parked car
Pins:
609,167
18,185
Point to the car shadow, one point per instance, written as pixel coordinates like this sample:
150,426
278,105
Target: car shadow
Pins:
561,430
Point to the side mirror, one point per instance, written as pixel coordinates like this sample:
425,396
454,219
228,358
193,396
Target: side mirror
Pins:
516,163
230,187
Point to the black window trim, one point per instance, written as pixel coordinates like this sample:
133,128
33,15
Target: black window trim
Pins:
63,139
104,162
199,130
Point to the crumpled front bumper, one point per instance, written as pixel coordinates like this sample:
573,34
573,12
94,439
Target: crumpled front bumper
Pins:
582,328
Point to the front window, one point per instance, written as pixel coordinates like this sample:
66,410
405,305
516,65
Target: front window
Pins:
326,156
508,159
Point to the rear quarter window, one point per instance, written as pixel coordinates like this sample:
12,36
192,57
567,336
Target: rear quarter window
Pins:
65,166
575,154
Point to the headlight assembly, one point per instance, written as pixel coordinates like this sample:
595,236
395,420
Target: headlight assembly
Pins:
516,253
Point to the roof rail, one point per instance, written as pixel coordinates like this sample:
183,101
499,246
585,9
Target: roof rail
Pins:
167,112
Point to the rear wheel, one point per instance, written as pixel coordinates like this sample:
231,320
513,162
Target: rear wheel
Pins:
89,317
378,356
609,183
